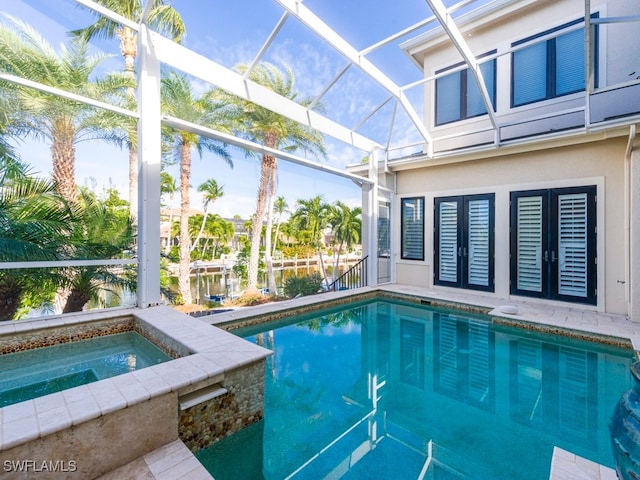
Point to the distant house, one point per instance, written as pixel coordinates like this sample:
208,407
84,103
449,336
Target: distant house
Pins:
537,196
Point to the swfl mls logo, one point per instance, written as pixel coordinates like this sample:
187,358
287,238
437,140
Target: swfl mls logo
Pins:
61,466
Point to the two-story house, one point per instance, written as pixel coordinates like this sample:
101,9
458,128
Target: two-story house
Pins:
530,187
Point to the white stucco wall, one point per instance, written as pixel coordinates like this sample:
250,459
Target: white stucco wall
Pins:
599,163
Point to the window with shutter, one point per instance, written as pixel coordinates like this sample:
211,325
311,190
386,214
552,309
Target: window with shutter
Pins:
458,96
550,68
412,228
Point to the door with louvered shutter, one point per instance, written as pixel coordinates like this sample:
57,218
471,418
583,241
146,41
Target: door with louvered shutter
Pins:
529,248
553,244
478,236
573,244
463,241
448,241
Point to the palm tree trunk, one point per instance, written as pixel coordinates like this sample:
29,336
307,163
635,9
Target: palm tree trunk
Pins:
337,264
324,273
184,285
129,50
204,220
63,154
76,301
167,247
133,181
275,237
271,279
256,226
10,293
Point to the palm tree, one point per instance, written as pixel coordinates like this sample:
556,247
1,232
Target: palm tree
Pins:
162,18
347,225
211,192
169,187
35,222
63,123
312,216
280,207
273,131
98,232
221,231
178,100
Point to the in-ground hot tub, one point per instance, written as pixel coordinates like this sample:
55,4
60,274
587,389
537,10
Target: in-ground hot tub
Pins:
40,371
210,379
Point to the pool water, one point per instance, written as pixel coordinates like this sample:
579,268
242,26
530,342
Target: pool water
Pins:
41,371
385,389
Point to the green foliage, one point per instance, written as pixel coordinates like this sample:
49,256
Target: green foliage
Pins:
305,285
298,250
241,268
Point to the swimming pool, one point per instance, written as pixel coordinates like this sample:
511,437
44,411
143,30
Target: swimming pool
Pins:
41,371
385,389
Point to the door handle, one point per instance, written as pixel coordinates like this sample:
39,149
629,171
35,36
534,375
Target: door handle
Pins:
546,256
553,256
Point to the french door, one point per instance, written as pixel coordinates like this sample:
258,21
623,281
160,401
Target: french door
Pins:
553,244
464,242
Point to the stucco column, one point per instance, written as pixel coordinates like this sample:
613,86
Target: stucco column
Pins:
149,155
633,152
370,218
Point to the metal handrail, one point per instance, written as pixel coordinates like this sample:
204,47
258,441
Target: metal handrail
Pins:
355,277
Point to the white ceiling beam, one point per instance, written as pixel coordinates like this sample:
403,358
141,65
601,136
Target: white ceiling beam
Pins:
191,63
326,33
68,95
180,124
452,30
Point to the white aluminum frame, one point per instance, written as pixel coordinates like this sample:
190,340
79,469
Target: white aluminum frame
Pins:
154,50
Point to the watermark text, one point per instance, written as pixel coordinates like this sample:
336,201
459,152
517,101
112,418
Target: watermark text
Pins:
30,465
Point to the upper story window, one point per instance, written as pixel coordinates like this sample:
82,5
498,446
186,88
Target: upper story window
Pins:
458,96
549,68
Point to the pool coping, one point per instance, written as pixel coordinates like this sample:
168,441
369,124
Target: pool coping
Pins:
546,318
213,352
571,321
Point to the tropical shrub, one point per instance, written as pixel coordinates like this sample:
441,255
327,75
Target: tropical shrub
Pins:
304,285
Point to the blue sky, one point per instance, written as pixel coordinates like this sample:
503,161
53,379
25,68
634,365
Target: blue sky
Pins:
231,33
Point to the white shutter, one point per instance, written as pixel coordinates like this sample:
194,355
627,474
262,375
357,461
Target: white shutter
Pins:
529,244
574,394
413,228
572,244
479,361
448,361
448,242
478,244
